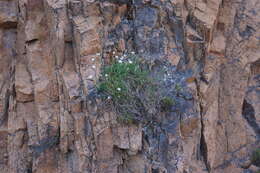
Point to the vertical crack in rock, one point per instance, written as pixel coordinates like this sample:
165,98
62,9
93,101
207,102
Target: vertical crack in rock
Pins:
203,147
4,114
203,150
248,113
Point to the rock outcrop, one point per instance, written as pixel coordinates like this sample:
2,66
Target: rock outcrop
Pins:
51,53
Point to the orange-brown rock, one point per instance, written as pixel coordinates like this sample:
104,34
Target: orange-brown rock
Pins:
51,54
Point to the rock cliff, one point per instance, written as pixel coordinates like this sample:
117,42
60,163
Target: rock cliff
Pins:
51,55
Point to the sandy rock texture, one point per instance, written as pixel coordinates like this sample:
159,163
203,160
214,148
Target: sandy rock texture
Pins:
51,52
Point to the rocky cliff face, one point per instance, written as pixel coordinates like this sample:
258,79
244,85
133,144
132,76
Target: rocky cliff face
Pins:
51,54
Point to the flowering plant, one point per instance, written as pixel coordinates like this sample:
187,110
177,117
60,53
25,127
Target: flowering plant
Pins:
135,93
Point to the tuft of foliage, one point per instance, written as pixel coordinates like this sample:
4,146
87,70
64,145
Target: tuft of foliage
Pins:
255,158
119,78
136,94
178,88
166,104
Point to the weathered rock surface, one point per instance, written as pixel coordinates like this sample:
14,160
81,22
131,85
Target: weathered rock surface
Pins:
51,53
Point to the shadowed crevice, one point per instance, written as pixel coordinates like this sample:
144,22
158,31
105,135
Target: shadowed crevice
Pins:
248,113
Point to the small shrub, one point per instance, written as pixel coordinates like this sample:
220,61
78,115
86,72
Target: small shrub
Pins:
119,79
166,104
178,88
127,82
137,92
255,158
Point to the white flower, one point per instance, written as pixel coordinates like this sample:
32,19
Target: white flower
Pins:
108,97
93,66
114,52
106,75
90,76
120,61
130,62
118,89
98,54
116,57
93,59
132,53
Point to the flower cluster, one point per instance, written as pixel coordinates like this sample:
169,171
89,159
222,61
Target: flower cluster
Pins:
126,58
93,59
135,90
